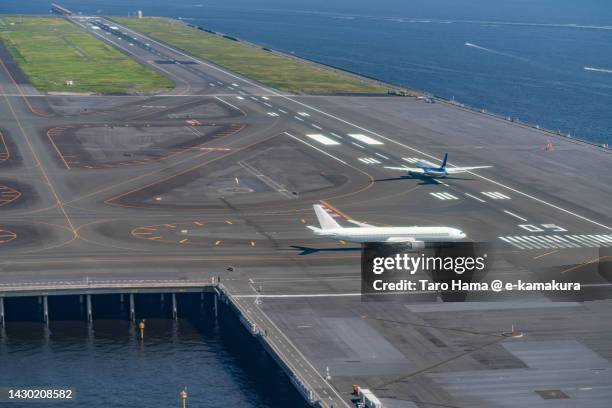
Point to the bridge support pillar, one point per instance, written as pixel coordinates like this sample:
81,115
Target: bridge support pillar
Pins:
1,311
132,308
161,297
45,303
89,309
174,308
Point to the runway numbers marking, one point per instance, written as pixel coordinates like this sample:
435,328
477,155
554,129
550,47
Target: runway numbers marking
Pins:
365,139
495,195
323,139
444,196
369,160
558,241
542,228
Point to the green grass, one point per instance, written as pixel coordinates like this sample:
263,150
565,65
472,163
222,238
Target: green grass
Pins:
272,69
51,51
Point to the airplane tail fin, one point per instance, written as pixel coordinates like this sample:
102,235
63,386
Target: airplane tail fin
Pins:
325,220
444,161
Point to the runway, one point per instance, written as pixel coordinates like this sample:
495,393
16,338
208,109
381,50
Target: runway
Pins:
217,178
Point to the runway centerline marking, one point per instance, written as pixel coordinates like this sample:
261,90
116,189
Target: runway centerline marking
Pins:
515,216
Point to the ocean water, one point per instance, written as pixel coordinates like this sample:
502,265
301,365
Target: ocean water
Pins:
546,62
107,365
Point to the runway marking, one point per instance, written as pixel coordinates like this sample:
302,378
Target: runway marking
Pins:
365,139
7,236
305,114
8,195
235,85
382,156
333,211
268,181
369,160
316,126
298,118
336,135
475,198
558,241
265,98
495,195
515,216
323,139
545,254
599,258
314,147
444,196
240,97
410,159
229,104
268,105
282,111
358,145
273,114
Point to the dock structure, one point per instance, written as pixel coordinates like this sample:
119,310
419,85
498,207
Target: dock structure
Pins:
311,384
57,9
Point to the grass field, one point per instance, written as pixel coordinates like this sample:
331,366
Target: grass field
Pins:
51,51
277,71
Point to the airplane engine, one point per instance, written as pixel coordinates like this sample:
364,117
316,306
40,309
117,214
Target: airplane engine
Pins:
417,245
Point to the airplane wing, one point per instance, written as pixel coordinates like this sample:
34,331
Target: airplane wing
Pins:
361,224
454,170
407,169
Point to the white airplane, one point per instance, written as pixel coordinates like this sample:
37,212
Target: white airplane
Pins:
413,236
425,168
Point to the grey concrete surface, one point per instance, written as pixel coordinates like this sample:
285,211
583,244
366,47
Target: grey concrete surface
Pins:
129,187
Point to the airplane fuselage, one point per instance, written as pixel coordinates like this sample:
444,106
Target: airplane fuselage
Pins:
394,234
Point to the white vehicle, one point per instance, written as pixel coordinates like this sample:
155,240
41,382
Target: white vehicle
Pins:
425,168
416,237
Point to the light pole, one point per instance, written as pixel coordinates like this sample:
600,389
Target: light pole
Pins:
183,395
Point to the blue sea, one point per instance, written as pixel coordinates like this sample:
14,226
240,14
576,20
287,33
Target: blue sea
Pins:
546,62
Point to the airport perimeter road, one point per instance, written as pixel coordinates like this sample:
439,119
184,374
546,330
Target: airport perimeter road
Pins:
218,178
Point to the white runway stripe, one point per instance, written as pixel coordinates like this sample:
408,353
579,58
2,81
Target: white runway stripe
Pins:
365,139
495,195
444,196
410,159
323,139
369,160
558,241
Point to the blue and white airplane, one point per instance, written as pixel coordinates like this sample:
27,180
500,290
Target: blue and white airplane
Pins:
428,169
